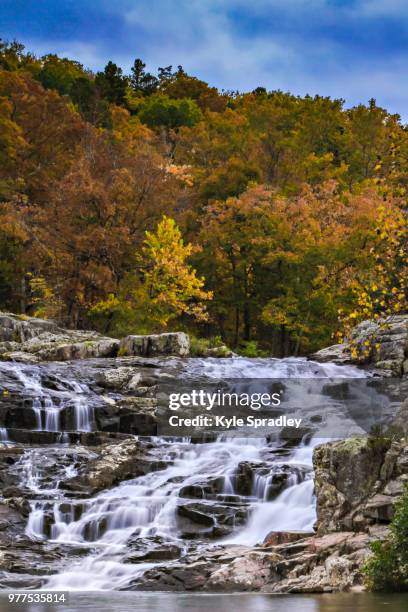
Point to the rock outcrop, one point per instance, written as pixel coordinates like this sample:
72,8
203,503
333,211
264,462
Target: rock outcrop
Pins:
28,339
382,345
308,564
114,463
357,482
174,343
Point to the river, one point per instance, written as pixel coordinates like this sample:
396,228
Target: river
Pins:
236,602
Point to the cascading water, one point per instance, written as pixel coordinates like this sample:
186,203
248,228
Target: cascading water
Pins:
48,404
195,479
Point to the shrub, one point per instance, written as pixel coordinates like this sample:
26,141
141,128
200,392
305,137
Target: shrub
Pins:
199,347
250,349
386,569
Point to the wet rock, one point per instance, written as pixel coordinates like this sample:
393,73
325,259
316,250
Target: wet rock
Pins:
175,578
219,519
175,343
92,438
12,521
244,478
338,390
206,489
116,462
153,548
265,481
21,504
130,415
284,537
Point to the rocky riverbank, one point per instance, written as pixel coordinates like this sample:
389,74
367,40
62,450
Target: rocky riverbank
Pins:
380,345
168,514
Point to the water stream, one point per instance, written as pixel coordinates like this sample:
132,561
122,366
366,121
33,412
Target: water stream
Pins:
148,508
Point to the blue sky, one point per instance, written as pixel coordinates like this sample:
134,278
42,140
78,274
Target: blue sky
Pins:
354,49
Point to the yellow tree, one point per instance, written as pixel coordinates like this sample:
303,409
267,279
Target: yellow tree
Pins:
380,289
170,285
164,286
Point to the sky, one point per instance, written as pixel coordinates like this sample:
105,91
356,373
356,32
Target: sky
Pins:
351,49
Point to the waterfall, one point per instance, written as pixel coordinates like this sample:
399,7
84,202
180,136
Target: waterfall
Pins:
276,494
49,404
84,415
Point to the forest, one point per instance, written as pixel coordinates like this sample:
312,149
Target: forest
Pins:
148,202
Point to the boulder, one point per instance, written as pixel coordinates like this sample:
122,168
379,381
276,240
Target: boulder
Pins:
380,507
358,481
215,519
284,537
151,548
247,573
337,353
19,328
116,462
174,343
206,489
382,344
115,378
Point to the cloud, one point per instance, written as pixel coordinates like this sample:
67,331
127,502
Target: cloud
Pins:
355,49
381,8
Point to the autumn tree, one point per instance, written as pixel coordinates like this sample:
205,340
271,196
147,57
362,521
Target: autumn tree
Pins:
380,285
163,286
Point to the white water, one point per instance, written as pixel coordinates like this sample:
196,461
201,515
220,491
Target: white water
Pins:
47,407
147,506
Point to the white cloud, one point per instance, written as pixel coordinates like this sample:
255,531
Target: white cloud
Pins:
381,8
210,41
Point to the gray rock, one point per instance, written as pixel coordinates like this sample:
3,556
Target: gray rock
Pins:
115,378
385,340
338,353
174,343
116,462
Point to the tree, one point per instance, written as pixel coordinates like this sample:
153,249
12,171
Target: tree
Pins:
164,286
112,84
161,111
379,286
181,85
13,56
91,105
275,262
170,284
141,81
59,73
